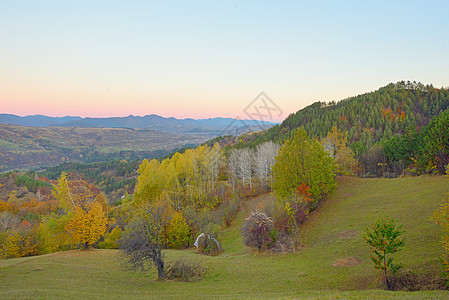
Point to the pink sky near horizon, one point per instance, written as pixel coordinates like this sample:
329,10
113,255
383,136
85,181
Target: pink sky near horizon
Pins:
179,106
101,106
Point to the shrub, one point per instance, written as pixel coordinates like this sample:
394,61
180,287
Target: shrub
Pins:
184,270
412,281
296,214
441,217
111,239
282,222
288,214
257,231
285,243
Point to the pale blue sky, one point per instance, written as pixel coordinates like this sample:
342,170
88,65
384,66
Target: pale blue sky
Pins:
209,58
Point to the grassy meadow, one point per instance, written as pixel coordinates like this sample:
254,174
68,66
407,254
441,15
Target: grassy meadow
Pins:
332,234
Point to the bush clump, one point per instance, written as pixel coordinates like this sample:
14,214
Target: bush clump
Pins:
412,281
20,243
285,243
111,238
184,270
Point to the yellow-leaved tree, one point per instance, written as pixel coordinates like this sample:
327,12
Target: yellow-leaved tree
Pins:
85,207
149,184
87,226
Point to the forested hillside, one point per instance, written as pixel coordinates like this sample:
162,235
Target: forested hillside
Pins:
114,178
368,121
367,118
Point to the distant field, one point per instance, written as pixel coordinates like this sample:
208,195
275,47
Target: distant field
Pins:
33,147
333,232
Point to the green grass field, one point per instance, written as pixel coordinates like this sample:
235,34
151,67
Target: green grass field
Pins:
333,232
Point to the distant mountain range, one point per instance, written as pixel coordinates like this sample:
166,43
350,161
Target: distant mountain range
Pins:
35,120
41,141
211,127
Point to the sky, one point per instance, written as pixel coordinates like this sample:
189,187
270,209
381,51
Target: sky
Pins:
204,59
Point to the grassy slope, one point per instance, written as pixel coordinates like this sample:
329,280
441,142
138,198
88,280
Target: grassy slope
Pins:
238,273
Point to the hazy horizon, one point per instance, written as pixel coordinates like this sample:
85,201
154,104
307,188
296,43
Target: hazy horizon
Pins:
124,116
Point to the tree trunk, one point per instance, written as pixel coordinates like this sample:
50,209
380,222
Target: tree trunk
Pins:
86,246
385,272
160,269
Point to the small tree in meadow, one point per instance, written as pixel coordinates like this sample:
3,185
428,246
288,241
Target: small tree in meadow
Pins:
141,242
384,239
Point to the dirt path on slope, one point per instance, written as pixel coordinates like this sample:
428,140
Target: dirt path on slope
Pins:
255,203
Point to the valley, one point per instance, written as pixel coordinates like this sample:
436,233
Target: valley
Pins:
23,147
